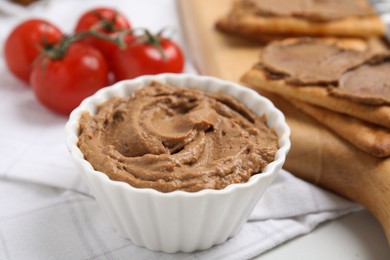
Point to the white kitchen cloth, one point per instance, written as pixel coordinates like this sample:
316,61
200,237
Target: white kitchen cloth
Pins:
41,222
47,212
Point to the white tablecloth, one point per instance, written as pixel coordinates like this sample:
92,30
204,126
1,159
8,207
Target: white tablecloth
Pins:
47,212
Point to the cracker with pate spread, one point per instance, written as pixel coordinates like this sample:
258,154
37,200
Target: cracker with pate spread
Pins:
269,19
344,87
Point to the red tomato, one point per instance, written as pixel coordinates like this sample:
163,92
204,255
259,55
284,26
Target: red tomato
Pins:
24,43
151,56
104,20
61,84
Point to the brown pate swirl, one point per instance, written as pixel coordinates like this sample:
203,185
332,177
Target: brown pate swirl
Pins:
311,10
170,138
360,76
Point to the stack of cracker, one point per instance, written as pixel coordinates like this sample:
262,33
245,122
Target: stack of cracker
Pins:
345,88
338,79
325,65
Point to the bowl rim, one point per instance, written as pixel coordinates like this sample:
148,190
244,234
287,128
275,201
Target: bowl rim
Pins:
71,135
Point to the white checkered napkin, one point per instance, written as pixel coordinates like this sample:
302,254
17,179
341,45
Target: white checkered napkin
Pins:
41,222
47,212
32,139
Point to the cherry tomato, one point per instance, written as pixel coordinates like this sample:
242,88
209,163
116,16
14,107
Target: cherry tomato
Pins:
147,54
61,84
24,43
104,20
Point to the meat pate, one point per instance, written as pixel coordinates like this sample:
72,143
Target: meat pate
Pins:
309,62
368,83
170,138
360,76
312,10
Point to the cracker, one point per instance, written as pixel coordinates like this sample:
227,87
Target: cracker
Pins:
318,95
249,25
367,137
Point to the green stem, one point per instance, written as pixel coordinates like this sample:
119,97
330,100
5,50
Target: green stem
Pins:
59,51
104,22
155,41
98,35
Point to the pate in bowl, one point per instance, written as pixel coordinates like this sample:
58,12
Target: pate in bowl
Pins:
177,162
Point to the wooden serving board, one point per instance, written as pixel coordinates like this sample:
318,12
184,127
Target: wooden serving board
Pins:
317,154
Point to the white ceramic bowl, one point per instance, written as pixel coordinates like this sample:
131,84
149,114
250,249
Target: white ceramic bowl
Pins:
179,221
